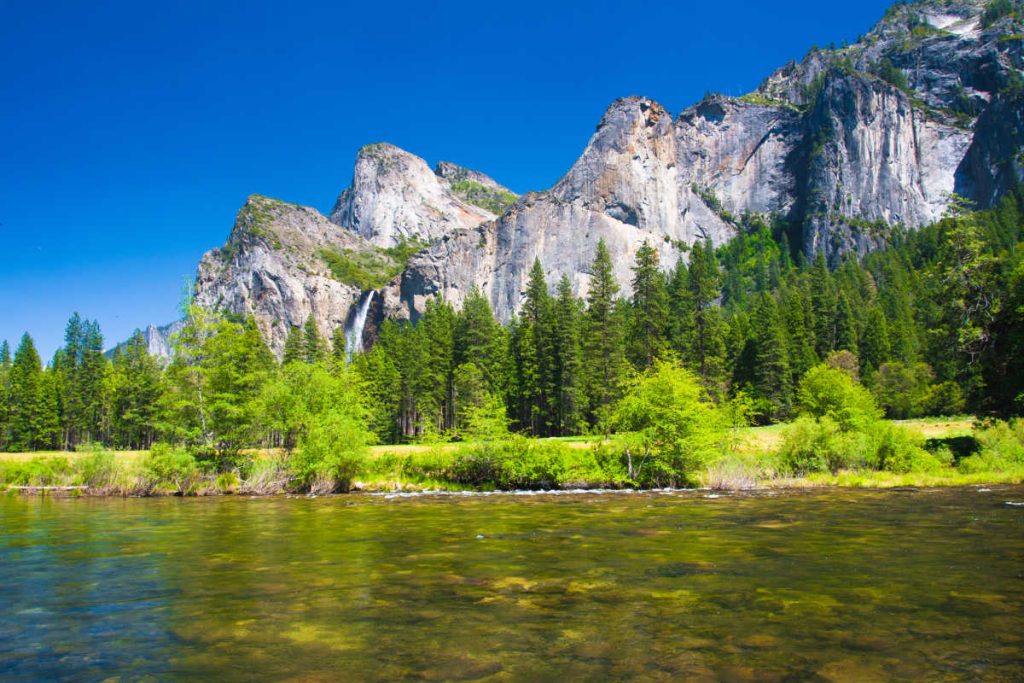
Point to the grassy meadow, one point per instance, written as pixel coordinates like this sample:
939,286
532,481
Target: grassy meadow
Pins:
751,459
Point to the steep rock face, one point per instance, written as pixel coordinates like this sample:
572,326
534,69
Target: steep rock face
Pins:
623,189
396,198
994,163
735,154
915,110
841,146
273,268
874,160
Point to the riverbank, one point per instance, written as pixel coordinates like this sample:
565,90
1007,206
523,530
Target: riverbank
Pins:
753,461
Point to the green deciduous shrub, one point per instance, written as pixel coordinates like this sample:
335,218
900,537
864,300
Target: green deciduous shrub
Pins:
331,453
841,428
170,469
678,429
829,392
901,450
39,471
99,470
1001,448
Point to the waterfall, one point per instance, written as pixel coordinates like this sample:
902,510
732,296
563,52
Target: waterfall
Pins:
354,334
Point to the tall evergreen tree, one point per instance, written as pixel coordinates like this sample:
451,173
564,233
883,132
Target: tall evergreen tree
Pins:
707,354
568,330
481,340
294,346
218,370
648,337
5,394
33,414
339,344
91,381
313,350
434,389
603,343
846,326
681,310
874,344
772,380
535,344
793,308
137,384
823,303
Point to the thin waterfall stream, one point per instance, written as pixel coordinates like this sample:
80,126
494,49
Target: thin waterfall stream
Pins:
354,334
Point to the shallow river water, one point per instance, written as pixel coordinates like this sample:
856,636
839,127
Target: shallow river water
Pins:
837,585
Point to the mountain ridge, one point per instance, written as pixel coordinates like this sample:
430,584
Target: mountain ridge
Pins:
838,147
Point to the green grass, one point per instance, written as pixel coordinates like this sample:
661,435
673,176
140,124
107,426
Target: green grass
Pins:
370,269
487,198
566,462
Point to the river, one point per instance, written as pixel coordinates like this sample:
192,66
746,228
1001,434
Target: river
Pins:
837,585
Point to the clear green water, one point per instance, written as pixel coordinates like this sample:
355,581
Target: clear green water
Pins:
836,585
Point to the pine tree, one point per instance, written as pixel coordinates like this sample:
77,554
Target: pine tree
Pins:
382,383
535,344
481,340
91,380
772,380
681,310
707,354
874,343
219,368
31,417
5,394
793,307
339,344
313,350
65,365
137,384
434,390
823,304
846,326
294,346
648,338
603,343
569,359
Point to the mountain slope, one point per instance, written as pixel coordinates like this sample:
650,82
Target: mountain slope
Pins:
837,148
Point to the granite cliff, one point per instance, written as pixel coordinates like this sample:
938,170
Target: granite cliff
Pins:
842,146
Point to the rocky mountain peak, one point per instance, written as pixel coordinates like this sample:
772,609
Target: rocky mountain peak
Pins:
396,198
836,149
476,188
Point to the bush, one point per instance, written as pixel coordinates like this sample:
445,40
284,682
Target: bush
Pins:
170,468
39,471
264,476
99,470
901,450
332,453
832,393
945,398
908,391
821,445
1001,448
678,429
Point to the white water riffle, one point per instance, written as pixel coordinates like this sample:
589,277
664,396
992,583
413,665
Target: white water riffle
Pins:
354,334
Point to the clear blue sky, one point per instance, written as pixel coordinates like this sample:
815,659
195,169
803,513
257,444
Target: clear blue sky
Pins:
131,132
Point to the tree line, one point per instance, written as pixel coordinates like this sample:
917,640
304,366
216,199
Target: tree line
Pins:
931,324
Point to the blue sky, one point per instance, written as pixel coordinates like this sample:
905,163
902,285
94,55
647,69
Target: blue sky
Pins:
130,133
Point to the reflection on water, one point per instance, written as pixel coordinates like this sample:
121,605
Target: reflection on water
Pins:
836,585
